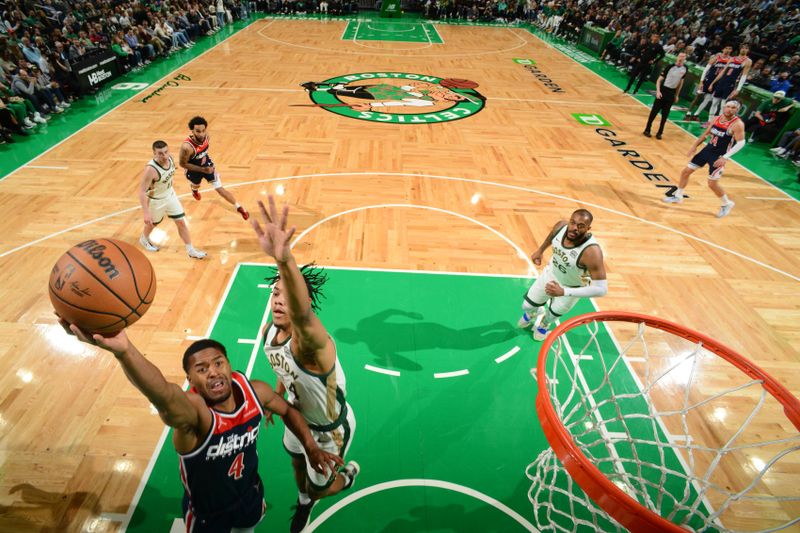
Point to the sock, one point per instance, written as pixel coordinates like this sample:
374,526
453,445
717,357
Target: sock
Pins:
725,200
678,193
526,317
189,247
303,498
237,205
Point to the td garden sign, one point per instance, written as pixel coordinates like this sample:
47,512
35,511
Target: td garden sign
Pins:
396,97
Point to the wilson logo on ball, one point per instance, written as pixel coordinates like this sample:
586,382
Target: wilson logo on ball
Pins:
95,250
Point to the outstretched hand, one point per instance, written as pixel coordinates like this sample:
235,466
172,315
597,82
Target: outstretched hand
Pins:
116,343
274,238
321,461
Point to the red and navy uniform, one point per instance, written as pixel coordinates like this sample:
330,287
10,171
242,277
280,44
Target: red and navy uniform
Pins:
727,83
720,142
222,488
201,159
720,62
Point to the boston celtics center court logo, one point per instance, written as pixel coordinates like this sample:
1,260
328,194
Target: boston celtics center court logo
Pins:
396,97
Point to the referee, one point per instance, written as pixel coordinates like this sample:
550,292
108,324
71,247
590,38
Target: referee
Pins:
668,90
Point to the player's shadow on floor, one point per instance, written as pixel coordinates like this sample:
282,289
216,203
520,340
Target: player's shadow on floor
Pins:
48,512
393,332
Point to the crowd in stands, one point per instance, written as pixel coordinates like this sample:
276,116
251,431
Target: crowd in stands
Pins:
40,41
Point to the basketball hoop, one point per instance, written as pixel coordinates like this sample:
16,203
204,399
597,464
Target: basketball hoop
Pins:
668,431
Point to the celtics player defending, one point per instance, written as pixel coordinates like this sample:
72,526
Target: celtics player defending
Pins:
576,271
158,198
303,356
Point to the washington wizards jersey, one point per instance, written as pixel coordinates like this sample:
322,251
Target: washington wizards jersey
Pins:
200,157
220,471
720,62
721,135
733,69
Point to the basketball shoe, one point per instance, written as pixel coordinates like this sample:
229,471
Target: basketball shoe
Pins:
194,253
242,211
525,321
196,194
725,209
147,245
540,329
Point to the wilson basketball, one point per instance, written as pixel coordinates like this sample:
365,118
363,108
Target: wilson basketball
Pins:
102,285
458,83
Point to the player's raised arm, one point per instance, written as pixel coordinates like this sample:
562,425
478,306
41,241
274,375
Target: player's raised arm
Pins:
275,239
173,404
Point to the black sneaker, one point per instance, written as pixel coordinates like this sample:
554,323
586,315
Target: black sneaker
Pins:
658,136
301,514
646,133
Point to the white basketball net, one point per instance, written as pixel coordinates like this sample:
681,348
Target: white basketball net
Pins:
679,429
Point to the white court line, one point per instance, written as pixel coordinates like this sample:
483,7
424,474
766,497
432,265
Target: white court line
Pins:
382,370
247,341
562,102
455,373
425,483
447,178
634,359
506,355
404,271
151,464
65,139
45,167
392,54
194,337
520,253
262,285
790,197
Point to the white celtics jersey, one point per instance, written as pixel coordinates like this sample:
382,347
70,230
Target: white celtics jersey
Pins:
161,187
565,260
319,397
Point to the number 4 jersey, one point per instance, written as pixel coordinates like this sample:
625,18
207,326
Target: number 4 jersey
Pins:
221,471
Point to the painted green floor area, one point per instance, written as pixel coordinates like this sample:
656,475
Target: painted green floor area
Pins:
89,108
402,31
755,157
437,454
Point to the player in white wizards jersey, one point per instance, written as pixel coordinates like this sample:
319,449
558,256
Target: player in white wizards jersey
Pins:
158,197
576,271
303,356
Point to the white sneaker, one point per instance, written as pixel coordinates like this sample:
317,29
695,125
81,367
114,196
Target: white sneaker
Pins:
65,104
38,118
539,330
725,209
524,324
197,254
351,470
673,199
146,244
777,150
27,124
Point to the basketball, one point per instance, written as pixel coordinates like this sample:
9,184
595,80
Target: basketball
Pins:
102,285
458,83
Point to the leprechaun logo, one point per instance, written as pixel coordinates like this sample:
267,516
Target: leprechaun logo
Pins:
396,97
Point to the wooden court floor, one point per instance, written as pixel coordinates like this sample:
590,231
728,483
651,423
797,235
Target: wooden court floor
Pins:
461,196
